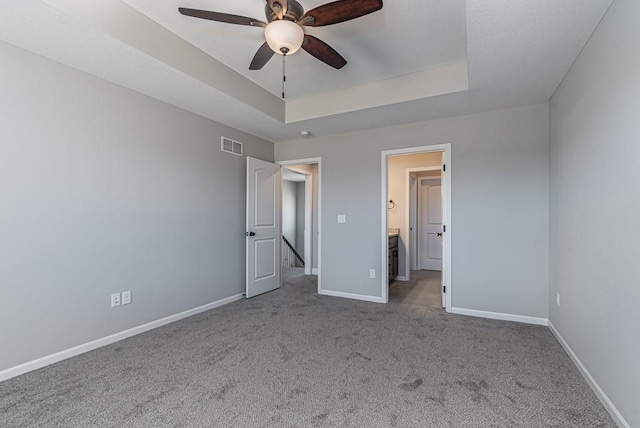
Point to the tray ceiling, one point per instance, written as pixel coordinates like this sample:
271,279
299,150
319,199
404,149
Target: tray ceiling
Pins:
402,38
414,60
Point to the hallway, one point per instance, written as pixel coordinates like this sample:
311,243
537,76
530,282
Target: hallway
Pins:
423,289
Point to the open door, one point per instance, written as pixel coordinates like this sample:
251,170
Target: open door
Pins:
430,224
264,229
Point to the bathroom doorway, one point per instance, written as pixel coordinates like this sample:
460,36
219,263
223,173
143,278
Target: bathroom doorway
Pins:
416,194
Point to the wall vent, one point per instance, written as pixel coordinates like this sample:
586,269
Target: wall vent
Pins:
231,146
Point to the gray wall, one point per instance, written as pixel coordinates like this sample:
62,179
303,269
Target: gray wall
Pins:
595,208
105,190
500,205
289,208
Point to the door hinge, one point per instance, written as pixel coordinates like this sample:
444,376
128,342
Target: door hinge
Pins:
444,228
444,289
444,167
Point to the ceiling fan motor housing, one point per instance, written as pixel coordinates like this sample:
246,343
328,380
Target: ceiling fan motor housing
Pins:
294,12
284,30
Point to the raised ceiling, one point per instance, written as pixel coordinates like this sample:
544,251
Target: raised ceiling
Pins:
413,60
394,41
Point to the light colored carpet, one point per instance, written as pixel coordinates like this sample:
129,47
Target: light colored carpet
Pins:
291,358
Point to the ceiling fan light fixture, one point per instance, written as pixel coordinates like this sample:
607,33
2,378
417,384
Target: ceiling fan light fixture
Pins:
284,36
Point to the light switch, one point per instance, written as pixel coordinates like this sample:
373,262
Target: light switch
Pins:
342,218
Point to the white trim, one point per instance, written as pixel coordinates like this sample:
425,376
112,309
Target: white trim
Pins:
413,225
604,399
310,161
447,269
319,271
363,297
500,316
445,148
107,340
308,224
402,278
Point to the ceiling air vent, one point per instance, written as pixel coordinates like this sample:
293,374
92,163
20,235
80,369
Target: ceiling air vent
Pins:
231,146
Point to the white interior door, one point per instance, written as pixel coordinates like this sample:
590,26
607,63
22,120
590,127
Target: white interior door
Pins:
264,228
430,224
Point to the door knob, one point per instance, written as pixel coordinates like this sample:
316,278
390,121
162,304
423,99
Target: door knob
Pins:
250,234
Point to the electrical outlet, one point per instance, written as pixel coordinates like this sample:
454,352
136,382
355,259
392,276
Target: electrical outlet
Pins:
372,273
126,297
558,299
342,218
115,300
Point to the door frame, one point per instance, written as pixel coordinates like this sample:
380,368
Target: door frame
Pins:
407,225
445,148
308,222
311,161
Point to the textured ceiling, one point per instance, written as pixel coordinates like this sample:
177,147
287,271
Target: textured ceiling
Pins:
403,37
518,52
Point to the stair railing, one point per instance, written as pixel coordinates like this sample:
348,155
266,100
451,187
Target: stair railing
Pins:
289,254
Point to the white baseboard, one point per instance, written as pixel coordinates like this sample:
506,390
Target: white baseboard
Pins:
611,408
401,278
98,343
500,316
364,297
315,271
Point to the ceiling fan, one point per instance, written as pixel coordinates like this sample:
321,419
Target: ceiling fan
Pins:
284,31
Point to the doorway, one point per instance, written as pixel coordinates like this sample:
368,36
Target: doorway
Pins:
404,173
303,175
264,222
296,219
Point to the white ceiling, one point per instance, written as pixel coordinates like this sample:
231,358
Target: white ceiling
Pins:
516,51
384,44
289,175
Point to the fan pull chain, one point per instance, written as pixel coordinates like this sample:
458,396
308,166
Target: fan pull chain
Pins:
284,75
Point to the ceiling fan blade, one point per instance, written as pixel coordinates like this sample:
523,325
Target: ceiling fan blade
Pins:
222,17
279,7
261,57
323,52
339,11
